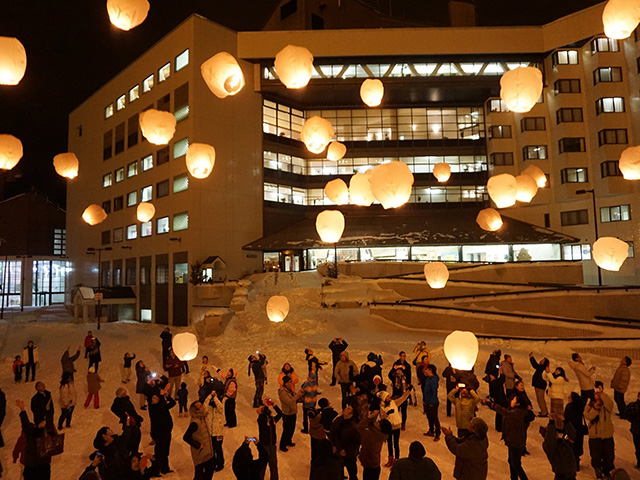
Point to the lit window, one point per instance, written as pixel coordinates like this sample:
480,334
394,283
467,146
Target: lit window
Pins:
119,175
496,105
576,252
147,83
132,232
146,315
607,74
604,45
180,221
117,234
180,148
619,213
574,175
182,60
535,152
146,193
164,72
565,57
180,183
147,163
162,225
146,229
609,105
132,169
107,180
121,102
134,93
132,198
108,110
181,102
180,273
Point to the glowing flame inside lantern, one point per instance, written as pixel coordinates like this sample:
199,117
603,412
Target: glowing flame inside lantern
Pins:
185,346
461,349
277,308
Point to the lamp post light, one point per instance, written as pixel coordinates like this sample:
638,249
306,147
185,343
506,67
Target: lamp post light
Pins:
595,223
92,251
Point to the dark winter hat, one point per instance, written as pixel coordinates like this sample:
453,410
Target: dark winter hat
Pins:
98,442
323,403
479,427
183,385
286,379
386,427
372,357
416,450
620,474
506,355
627,360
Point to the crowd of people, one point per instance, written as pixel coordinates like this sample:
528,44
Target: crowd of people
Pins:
374,412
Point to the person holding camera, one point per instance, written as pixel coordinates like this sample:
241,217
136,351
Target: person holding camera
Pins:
466,401
268,436
255,366
558,446
598,414
539,383
90,472
585,377
244,466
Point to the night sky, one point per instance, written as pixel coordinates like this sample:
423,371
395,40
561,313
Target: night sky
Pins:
72,50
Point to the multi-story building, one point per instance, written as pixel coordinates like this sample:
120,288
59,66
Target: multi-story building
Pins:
441,104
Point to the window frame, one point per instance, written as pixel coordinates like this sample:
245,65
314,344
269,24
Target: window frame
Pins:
568,141
538,124
561,118
574,175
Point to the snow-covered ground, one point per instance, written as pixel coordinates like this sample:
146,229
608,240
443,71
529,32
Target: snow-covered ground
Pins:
306,326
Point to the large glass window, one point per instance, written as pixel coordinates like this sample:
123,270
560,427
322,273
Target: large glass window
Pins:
121,102
49,282
119,175
565,57
181,102
180,148
610,168
108,111
59,241
132,232
500,131
569,115
618,213
107,180
604,45
146,194
573,144
132,169
449,253
134,93
610,105
11,278
147,163
147,83
537,252
612,136
567,86
607,74
485,253
534,152
576,252
146,229
132,198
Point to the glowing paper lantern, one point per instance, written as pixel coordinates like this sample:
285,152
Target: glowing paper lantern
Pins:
537,174
461,349
609,253
489,219
316,134
10,151
200,159
127,14
436,274
94,214
157,126
330,225
372,91
527,188
503,189
294,66
66,165
620,18
337,191
222,74
629,163
360,190
520,88
13,61
442,172
336,151
391,184
277,308
185,346
145,212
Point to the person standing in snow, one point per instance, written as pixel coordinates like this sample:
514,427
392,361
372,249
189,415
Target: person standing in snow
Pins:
95,357
309,391
574,414
173,366
466,402
470,451
510,375
183,399
289,400
430,396
204,366
42,404
372,436
493,365
400,385
230,392
337,346
167,339
255,367
345,371
449,374
161,427
598,414
539,383
123,408
30,359
558,447
389,411
585,377
371,368
215,419
620,383
199,439
345,437
632,415
498,395
115,451
314,364
142,373
93,387
288,371
16,368
268,436
416,466
557,383
68,399
87,343
126,367
67,361
35,466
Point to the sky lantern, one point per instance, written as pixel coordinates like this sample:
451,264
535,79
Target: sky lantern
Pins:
503,189
316,134
337,191
127,14
527,188
609,253
442,172
537,174
145,212
520,88
436,274
222,74
372,91
461,349
185,346
629,163
13,61
157,126
336,151
489,219
66,165
620,18
10,151
200,159
294,66
94,214
277,308
330,225
391,184
360,190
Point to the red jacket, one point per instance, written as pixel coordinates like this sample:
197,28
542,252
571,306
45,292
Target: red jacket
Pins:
87,341
173,365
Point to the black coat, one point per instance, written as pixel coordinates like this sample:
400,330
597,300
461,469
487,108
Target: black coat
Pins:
336,349
166,337
42,406
560,451
326,465
493,365
514,425
142,374
115,461
255,367
449,374
245,467
496,391
267,426
160,417
3,412
406,369
123,407
415,469
537,381
345,436
327,416
32,432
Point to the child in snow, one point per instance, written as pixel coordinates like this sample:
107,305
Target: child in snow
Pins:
183,395
126,368
17,369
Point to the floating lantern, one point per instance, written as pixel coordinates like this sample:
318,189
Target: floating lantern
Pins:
145,212
609,253
620,18
372,91
629,163
461,349
336,151
337,191
489,219
503,189
94,214
66,165
10,151
527,188
537,174
391,184
316,134
185,346
294,66
360,190
127,14
442,172
13,61
200,159
436,274
222,74
277,308
520,88
157,126
330,225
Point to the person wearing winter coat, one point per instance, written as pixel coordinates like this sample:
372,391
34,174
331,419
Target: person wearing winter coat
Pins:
230,393
345,438
255,367
430,398
399,386
416,466
42,404
498,395
344,372
3,413
574,414
598,414
313,363
93,387
449,374
620,383
215,418
514,434
126,366
372,436
67,361
632,415
68,399
493,364
389,411
173,365
309,391
268,436
123,408
421,354
510,375
87,343
585,377
30,359
539,383
327,464
161,427
557,383
470,451
115,452
558,447
142,373
337,346
204,367
95,357
327,414
316,430
16,369
167,342
466,402
370,369
289,400
288,371
402,364
198,436
244,466
35,466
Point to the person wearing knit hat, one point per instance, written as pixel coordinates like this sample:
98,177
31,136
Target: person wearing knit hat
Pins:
93,387
415,467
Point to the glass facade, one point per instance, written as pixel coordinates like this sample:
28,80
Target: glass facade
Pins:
10,279
49,282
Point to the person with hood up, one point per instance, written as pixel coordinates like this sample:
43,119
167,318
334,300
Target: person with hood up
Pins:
67,361
35,466
470,451
30,359
327,464
416,466
557,383
585,377
598,414
244,466
123,408
337,346
345,371
345,438
466,401
389,411
372,436
558,447
115,453
199,439
539,383
620,383
42,404
510,375
93,387
230,393
288,371
68,399
161,427
255,367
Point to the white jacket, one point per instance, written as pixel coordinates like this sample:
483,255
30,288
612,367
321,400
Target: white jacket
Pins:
215,419
556,386
25,355
585,377
68,395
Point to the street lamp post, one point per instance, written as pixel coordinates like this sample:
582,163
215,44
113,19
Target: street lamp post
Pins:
595,223
92,251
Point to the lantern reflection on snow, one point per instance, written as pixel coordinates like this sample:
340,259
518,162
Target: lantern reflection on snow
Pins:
94,214
330,225
436,274
185,346
127,14
520,88
372,91
13,61
294,66
277,308
461,349
157,126
316,134
609,253
66,165
10,151
391,184
222,74
200,159
337,191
